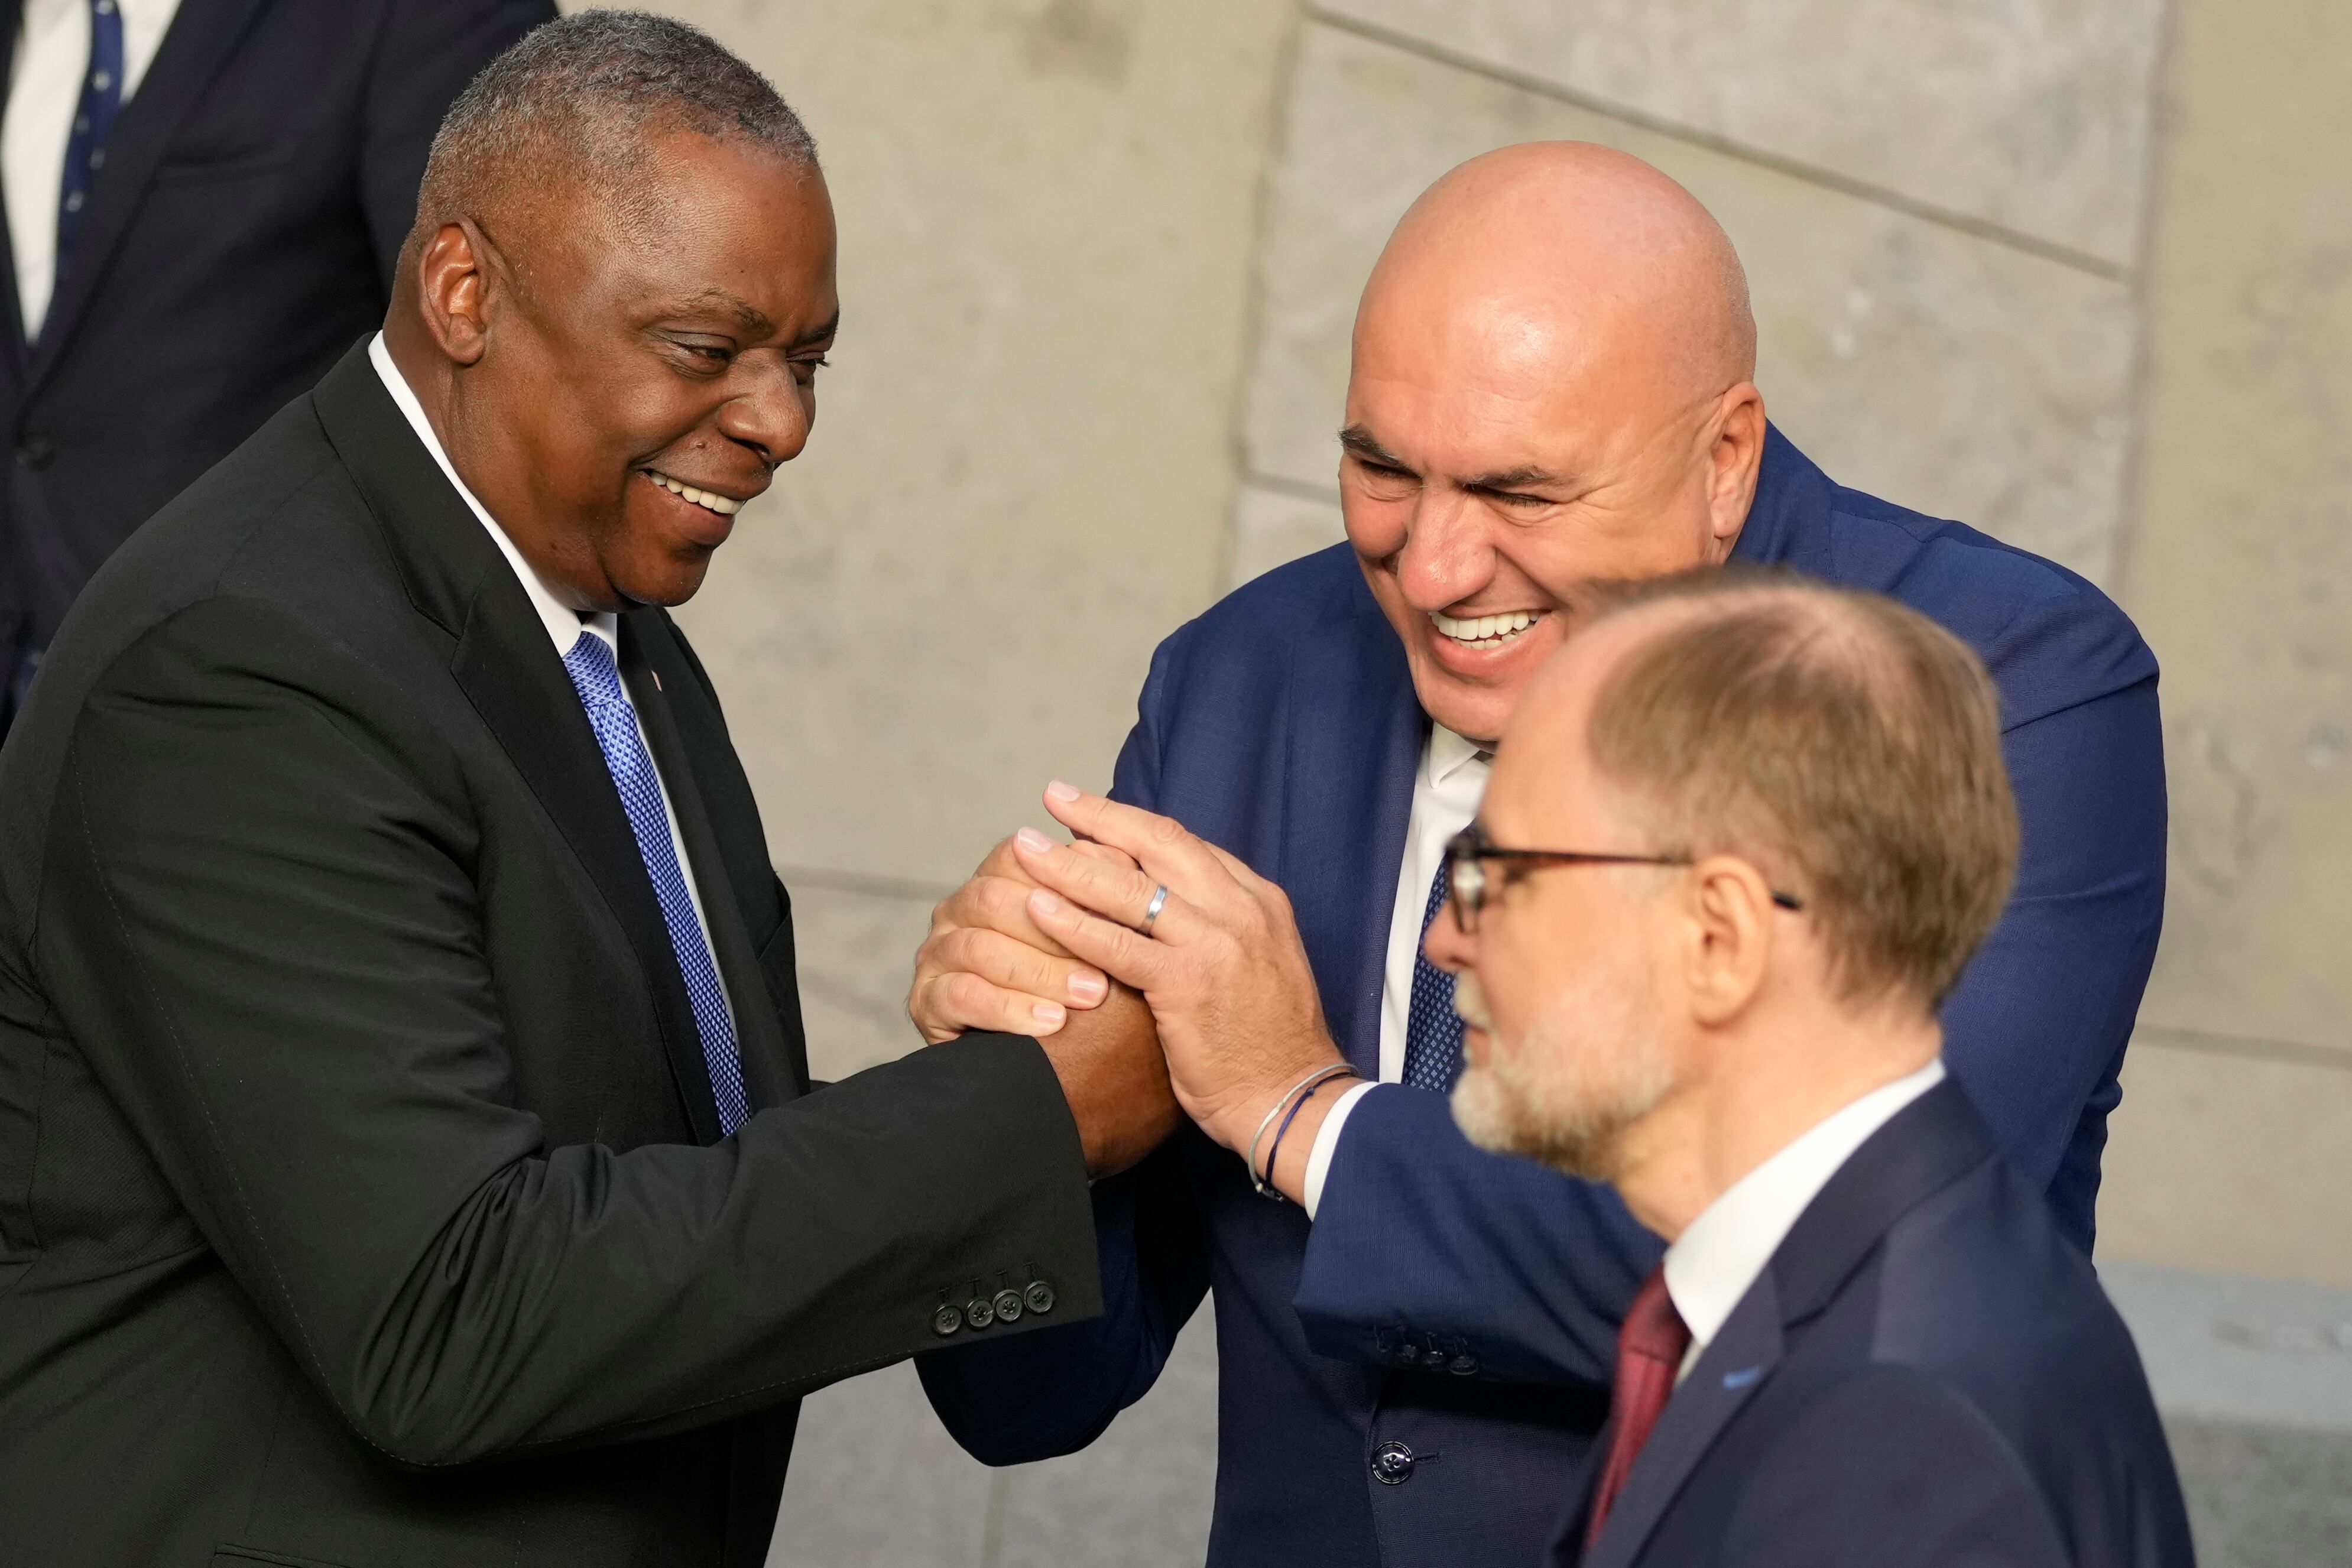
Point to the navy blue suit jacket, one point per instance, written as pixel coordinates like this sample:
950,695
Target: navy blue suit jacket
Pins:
1924,1375
1462,1305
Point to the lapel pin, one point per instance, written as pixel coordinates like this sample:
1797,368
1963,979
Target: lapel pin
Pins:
1743,1377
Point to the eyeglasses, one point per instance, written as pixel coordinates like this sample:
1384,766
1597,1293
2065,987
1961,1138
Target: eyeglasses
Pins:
1468,852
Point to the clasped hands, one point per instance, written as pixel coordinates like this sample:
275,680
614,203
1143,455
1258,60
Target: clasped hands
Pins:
1214,1013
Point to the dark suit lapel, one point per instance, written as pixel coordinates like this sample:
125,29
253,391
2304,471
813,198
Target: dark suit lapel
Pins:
1923,1149
510,671
1927,1145
198,43
1356,731
768,1076
1725,1377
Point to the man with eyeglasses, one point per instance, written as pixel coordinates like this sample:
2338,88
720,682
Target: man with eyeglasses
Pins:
1551,384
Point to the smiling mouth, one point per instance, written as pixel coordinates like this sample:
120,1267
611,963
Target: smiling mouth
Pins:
1484,631
710,500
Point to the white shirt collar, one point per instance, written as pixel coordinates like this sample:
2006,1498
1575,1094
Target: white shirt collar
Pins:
1712,1264
1448,753
563,624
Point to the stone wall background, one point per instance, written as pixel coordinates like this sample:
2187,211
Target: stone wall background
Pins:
2077,271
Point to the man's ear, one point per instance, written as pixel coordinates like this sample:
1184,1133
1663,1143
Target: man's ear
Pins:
455,276
1730,916
1736,456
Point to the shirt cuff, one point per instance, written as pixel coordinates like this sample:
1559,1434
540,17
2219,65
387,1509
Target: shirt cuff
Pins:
1326,1139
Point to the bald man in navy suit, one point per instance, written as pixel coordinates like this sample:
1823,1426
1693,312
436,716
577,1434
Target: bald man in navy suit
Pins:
1552,381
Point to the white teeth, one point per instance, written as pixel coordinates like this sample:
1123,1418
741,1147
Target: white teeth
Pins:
724,505
1485,628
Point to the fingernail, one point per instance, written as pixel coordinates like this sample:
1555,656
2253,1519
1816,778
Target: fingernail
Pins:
1057,790
1086,986
1044,903
1050,1014
1035,843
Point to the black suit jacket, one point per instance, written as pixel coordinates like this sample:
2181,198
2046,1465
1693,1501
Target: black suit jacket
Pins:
361,1196
255,191
1925,1375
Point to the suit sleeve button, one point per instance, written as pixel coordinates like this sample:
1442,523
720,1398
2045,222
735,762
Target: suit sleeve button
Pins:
1008,1306
1040,1296
978,1312
946,1321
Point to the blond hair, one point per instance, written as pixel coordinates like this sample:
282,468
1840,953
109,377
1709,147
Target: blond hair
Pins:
1845,743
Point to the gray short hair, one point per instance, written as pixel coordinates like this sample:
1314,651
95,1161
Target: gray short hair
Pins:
581,95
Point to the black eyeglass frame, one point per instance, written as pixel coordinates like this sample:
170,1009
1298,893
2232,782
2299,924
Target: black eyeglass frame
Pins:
1465,874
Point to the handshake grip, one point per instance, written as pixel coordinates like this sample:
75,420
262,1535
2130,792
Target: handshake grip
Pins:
1115,1080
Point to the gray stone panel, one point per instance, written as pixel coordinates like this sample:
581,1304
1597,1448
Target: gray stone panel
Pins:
2240,560
1942,369
1023,470
2033,115
2254,1378
2262,1498
2237,1350
855,950
2226,1156
1271,527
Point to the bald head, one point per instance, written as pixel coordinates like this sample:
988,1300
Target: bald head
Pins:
1550,384
1572,258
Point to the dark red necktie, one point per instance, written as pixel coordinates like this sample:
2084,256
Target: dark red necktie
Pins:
1650,1347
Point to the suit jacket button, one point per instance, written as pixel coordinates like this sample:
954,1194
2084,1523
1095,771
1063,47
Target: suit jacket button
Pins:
1008,1306
978,1312
1393,1464
946,1321
35,450
1040,1296
1434,1360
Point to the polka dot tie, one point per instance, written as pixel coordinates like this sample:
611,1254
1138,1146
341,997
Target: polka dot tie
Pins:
1432,1035
94,115
598,681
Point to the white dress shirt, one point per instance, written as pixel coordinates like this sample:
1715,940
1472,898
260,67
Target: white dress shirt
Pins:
1713,1261
1446,793
44,90
565,625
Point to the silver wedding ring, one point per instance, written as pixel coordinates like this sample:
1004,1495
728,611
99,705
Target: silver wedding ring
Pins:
1150,914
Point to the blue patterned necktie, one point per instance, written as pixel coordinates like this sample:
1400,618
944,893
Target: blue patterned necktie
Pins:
102,101
1432,1035
598,680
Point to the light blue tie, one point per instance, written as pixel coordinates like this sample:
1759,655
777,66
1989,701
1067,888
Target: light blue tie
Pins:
590,664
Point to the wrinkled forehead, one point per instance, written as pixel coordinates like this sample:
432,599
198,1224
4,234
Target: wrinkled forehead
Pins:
688,217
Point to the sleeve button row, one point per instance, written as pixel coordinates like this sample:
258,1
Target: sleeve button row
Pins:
1006,1306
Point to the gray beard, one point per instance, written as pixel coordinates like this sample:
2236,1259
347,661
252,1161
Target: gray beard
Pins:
1587,1070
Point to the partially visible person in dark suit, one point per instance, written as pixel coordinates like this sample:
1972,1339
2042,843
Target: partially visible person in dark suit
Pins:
407,1148
1740,840
204,199
1551,382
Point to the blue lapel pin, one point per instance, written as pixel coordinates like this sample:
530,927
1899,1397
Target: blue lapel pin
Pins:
1743,1377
